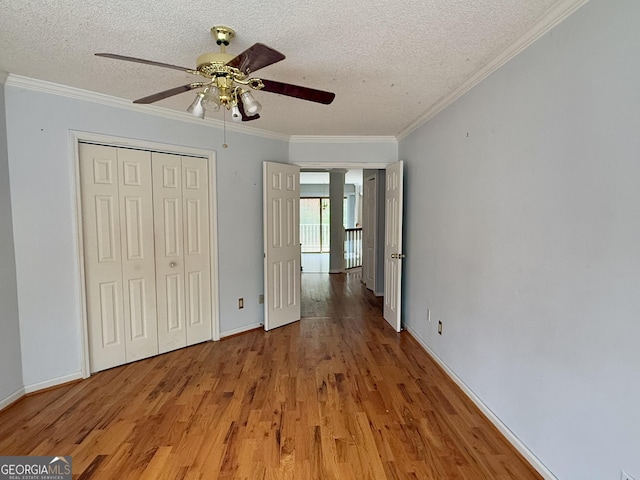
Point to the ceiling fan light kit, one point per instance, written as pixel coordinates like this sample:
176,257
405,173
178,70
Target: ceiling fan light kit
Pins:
228,80
197,108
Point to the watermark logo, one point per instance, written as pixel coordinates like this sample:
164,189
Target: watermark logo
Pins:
35,468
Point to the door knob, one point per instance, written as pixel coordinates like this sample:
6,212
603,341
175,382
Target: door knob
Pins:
173,264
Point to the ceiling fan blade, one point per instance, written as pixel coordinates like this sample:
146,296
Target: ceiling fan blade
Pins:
141,60
245,117
297,91
168,93
255,57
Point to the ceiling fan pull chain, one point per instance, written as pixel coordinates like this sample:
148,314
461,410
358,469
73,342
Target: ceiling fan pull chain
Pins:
224,128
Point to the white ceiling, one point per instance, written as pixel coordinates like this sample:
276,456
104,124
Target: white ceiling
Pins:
388,62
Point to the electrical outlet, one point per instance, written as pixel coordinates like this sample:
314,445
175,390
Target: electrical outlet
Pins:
261,299
440,327
625,476
241,303
428,315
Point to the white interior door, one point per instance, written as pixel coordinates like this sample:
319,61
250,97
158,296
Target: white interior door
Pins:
147,254
281,244
102,256
197,261
138,257
393,246
369,231
119,255
181,212
169,235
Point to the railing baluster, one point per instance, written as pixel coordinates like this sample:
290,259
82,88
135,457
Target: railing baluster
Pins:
353,248
310,235
310,238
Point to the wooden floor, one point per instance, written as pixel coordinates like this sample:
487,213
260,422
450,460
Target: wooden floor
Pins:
338,395
315,262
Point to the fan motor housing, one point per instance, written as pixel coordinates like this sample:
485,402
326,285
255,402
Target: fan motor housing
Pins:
217,57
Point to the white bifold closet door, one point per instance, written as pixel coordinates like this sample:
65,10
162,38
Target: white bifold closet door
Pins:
181,212
146,252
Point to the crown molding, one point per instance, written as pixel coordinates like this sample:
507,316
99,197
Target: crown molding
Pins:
33,84
342,139
550,19
3,76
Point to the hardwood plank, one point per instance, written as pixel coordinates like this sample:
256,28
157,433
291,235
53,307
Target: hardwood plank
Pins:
338,395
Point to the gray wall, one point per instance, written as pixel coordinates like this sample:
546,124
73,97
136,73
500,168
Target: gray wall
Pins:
10,358
350,193
523,230
42,193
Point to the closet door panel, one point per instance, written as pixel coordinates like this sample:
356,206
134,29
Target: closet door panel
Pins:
102,256
169,243
197,257
138,256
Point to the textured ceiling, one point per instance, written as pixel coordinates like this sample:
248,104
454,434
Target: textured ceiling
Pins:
388,62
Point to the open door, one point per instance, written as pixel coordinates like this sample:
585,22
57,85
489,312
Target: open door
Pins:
281,244
393,246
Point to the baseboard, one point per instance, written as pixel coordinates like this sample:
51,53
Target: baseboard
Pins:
54,382
14,397
511,437
378,294
236,331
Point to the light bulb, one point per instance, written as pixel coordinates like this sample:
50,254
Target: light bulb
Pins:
251,105
212,99
236,116
197,108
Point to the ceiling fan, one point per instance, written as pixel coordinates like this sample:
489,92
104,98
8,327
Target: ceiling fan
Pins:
227,79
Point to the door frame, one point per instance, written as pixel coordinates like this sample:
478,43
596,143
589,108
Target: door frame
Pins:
75,138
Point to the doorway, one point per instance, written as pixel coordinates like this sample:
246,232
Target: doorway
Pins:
323,242
318,236
315,220
273,209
